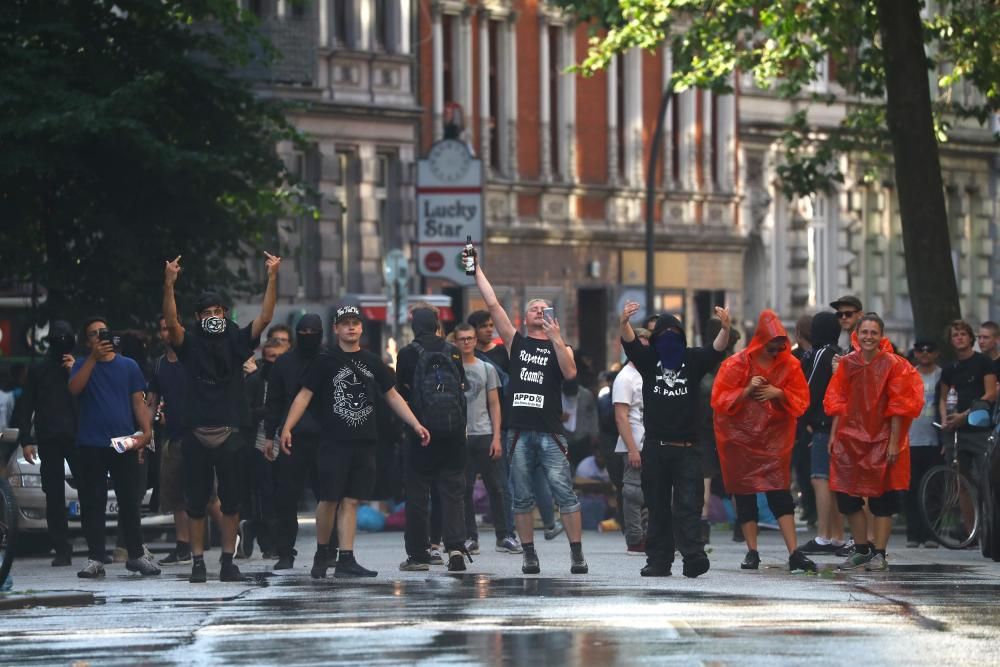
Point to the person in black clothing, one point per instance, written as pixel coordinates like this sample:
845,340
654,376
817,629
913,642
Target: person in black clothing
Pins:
818,369
344,381
47,403
284,384
672,483
973,377
443,463
261,467
213,354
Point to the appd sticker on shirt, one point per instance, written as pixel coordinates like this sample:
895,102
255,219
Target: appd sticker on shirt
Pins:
529,401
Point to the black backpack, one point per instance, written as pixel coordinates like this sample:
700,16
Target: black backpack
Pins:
438,398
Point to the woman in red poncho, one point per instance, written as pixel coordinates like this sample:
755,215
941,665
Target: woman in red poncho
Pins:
873,396
758,395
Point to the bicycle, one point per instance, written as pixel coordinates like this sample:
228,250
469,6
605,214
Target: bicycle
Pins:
8,506
949,503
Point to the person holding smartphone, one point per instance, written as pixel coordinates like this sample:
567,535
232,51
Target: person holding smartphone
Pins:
110,388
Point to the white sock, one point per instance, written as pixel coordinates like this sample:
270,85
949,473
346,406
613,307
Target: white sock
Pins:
822,541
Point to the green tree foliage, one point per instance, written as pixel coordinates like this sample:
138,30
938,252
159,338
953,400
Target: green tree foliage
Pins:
128,137
784,44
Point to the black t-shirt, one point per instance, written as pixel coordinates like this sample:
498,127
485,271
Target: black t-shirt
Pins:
344,385
966,376
670,398
215,395
169,382
498,355
534,394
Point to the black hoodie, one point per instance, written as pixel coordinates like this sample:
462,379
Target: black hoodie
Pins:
46,400
285,381
818,369
670,398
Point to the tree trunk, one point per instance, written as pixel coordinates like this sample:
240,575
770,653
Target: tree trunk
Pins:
926,241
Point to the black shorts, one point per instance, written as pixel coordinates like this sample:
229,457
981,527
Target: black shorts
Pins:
204,466
345,471
882,506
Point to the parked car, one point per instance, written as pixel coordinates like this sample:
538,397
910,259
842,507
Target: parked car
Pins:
26,480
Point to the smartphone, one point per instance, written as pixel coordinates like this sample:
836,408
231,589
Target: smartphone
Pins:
549,314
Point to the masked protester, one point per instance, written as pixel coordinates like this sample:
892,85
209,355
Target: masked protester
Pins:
757,397
213,353
873,396
670,461
284,382
47,405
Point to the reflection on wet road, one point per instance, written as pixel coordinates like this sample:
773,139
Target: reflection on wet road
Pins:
918,613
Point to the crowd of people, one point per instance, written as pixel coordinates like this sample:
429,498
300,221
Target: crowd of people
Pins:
240,439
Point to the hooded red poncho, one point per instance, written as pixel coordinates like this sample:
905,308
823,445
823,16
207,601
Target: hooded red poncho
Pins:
866,395
756,439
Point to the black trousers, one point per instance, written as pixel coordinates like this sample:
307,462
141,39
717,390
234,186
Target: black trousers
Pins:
94,464
922,459
451,492
493,474
53,453
673,488
293,472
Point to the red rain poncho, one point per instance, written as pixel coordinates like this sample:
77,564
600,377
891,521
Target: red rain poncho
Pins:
756,439
865,396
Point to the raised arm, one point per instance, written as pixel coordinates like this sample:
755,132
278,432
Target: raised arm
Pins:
627,334
722,340
270,297
175,331
500,319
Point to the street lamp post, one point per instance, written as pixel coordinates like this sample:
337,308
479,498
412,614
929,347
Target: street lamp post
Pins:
654,154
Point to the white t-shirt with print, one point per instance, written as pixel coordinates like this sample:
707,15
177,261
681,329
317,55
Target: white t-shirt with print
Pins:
627,389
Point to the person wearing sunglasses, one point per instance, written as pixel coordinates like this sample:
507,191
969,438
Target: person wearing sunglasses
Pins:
925,446
848,310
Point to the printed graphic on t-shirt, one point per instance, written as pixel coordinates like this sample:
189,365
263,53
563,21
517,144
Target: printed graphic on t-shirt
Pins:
351,401
523,400
671,382
533,369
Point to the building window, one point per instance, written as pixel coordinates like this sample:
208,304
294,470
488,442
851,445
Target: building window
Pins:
493,112
298,8
555,105
818,238
382,25
343,17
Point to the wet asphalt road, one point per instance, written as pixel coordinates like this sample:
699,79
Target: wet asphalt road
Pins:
934,607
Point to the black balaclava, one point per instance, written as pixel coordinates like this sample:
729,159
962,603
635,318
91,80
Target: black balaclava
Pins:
211,326
424,322
60,339
825,330
308,344
669,345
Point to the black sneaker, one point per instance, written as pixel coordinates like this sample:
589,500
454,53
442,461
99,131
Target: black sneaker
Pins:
199,574
456,561
173,558
230,572
845,551
352,569
578,564
62,560
695,567
285,563
751,562
814,547
529,563
798,562
319,567
655,570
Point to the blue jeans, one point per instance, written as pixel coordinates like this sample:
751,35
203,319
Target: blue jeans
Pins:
819,454
539,485
536,451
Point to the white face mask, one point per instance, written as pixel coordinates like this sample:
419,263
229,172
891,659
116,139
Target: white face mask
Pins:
213,325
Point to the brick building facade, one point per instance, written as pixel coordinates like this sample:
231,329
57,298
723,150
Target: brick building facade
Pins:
566,158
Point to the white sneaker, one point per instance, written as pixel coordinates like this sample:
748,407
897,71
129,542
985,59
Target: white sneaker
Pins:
436,557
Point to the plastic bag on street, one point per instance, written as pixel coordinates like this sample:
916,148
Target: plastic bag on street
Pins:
755,439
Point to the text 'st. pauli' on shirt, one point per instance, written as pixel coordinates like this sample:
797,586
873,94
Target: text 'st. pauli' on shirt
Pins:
534,395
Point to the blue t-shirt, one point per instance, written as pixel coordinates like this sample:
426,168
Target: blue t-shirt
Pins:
106,401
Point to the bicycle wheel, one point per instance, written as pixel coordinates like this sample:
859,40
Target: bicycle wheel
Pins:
8,528
950,507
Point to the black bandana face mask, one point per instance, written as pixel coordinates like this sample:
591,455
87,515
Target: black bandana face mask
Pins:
213,326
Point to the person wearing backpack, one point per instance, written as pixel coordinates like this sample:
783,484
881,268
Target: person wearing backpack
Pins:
431,377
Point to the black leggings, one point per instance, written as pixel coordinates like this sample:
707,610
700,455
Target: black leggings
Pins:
882,506
779,501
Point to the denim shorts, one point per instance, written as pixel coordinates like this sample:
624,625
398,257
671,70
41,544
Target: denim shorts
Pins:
532,450
819,456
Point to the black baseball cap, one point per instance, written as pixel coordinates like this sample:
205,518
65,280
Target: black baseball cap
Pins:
347,313
852,301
